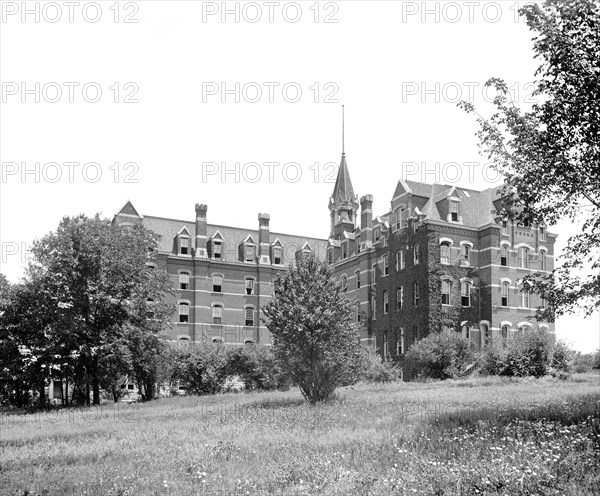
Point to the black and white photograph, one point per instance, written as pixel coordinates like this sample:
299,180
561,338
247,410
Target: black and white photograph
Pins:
299,248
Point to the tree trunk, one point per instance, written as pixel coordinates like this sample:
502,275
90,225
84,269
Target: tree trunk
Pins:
96,391
87,393
42,391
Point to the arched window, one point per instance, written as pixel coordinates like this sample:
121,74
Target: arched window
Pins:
504,255
446,287
465,254
505,291
466,330
445,252
399,298
217,313
416,293
524,257
344,282
543,265
465,293
184,312
504,332
249,316
184,280
217,284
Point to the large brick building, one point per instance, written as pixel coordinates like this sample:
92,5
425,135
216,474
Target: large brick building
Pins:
438,259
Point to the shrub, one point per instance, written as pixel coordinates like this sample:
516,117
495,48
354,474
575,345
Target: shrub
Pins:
562,355
258,368
440,356
372,369
311,320
200,367
529,354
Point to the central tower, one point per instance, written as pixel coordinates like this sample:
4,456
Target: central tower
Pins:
343,203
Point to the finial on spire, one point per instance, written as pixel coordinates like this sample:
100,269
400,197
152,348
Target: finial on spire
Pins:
343,151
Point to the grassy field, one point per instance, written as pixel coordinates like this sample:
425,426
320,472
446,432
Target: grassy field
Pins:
475,436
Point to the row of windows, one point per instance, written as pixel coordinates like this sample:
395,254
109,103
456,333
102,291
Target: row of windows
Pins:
465,295
541,229
217,314
217,283
247,250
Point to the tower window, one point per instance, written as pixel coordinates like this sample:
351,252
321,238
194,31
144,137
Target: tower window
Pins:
505,290
504,256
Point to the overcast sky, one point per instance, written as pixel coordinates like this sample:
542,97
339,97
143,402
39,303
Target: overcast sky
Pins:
161,110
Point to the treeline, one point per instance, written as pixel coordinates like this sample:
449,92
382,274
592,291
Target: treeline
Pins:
88,312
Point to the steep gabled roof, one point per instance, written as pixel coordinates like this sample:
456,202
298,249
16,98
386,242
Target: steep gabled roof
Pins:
343,190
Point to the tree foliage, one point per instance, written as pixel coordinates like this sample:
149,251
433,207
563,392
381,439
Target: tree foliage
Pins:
315,340
440,355
88,309
550,154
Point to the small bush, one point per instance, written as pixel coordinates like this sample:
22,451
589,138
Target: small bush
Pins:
373,369
530,354
201,367
440,356
258,368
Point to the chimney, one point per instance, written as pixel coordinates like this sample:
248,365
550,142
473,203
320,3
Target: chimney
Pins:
201,231
366,220
264,243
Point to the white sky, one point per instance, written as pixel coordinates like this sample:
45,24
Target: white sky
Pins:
376,60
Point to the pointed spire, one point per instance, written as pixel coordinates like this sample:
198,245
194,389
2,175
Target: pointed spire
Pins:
343,150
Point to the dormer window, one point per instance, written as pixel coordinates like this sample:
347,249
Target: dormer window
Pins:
277,255
454,211
249,253
217,250
184,245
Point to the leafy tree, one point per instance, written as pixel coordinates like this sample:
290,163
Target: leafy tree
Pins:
310,319
94,276
258,368
440,355
549,155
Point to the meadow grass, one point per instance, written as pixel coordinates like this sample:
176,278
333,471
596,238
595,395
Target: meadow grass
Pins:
464,437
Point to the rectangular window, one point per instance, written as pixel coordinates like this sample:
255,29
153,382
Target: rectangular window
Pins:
184,312
249,317
217,314
344,250
357,277
217,284
249,286
415,226
465,293
398,259
404,217
386,265
445,252
446,292
249,253
217,246
416,293
542,260
416,333
358,314
278,256
386,302
524,257
542,231
454,211
344,282
373,307
416,255
184,245
505,227
377,233
184,280
399,298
